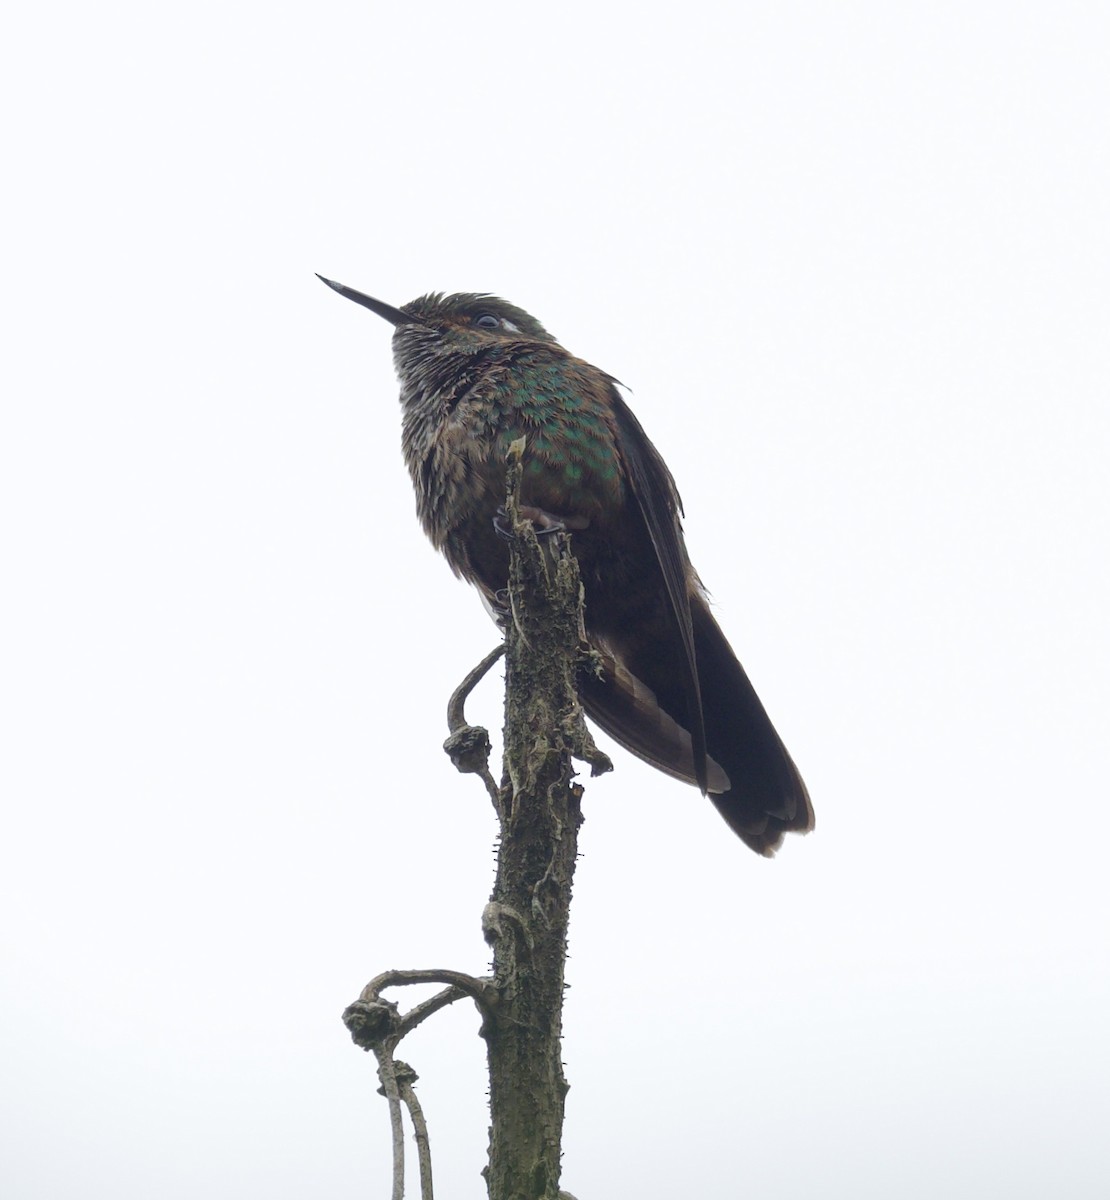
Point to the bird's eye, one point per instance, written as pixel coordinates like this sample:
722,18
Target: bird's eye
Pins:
487,321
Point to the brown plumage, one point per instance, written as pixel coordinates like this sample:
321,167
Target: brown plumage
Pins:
477,374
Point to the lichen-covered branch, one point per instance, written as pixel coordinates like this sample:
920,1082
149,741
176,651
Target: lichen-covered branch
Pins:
527,918
525,922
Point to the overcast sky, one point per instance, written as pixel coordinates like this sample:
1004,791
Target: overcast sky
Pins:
853,261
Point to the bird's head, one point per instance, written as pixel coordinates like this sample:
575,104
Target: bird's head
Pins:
436,327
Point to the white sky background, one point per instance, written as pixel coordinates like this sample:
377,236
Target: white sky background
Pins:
853,261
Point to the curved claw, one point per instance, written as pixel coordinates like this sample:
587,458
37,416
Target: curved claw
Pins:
501,525
543,522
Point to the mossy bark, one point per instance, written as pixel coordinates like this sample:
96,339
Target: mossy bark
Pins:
527,918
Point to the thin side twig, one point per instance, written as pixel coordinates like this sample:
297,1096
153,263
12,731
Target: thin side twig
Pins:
468,746
388,1075
456,717
423,1010
481,991
406,1077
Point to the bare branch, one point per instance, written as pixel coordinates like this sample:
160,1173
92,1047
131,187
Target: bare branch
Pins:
426,1008
388,1075
482,991
406,1077
468,746
456,718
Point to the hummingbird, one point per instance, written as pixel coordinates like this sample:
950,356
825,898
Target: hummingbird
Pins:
477,374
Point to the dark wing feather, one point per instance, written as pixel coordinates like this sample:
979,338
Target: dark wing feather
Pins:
629,711
659,502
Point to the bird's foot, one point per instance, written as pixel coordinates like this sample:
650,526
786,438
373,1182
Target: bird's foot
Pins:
543,522
501,608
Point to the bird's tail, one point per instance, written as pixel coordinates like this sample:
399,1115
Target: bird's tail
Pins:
767,797
750,776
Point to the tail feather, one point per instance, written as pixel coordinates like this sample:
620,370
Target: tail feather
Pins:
629,711
767,798
752,780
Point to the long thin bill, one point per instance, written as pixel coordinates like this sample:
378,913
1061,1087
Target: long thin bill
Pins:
394,316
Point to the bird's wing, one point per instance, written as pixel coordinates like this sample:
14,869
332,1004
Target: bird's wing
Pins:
659,502
630,712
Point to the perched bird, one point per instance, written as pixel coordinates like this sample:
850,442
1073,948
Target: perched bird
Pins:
477,374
